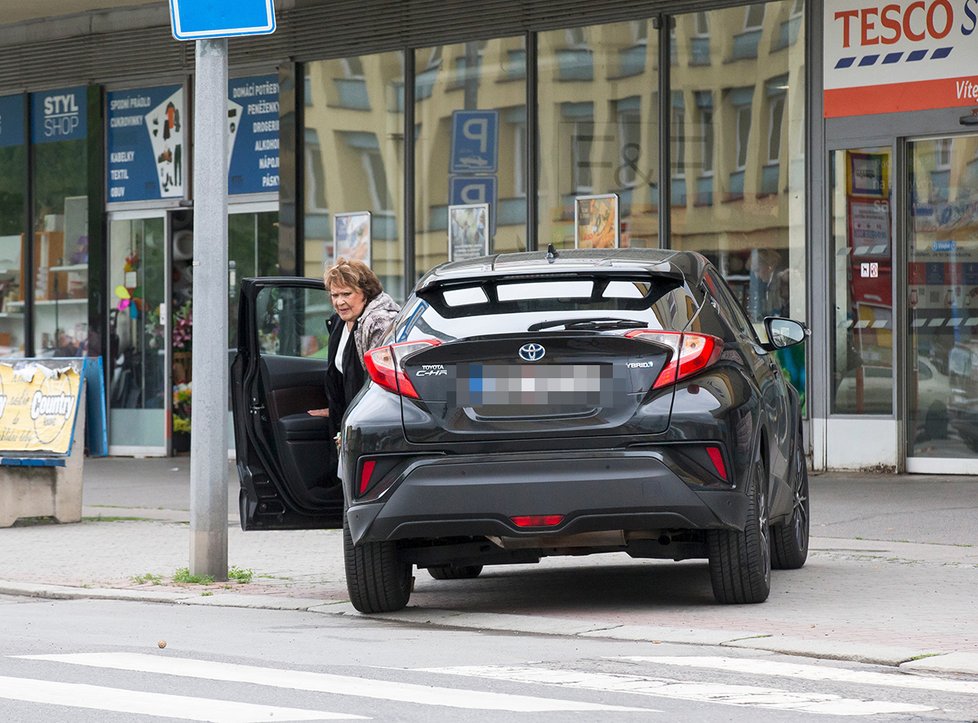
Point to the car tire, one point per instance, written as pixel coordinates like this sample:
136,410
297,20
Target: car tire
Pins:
789,541
740,562
451,572
376,579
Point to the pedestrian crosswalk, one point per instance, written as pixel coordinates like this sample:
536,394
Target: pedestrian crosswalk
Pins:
636,687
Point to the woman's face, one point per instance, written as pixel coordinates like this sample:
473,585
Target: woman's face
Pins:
347,301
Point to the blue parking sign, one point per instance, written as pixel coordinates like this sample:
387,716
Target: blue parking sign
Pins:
464,190
474,141
200,19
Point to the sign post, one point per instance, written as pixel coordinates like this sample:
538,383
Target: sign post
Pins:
210,23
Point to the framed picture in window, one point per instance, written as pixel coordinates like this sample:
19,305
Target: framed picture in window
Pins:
596,222
351,236
468,231
867,174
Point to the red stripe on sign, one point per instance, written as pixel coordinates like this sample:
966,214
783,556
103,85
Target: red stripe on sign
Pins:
901,97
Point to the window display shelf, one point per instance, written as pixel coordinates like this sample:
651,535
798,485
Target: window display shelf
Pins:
72,267
59,302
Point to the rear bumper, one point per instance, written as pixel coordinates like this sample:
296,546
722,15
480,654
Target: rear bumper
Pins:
477,495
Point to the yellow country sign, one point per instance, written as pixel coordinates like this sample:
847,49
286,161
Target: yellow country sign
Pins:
37,407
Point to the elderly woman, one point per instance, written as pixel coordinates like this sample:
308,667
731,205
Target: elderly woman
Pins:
363,313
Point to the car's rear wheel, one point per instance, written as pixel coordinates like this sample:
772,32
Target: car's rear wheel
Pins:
740,562
789,541
452,572
376,579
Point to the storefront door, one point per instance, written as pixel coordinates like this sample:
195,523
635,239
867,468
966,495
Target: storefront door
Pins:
904,288
138,329
252,251
942,313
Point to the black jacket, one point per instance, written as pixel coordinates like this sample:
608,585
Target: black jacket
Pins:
341,388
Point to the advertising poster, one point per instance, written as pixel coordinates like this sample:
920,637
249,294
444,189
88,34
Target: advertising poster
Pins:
867,174
11,121
468,231
596,221
38,402
146,144
869,228
351,236
59,115
253,135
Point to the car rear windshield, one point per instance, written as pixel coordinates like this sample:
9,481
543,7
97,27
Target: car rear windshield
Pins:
528,303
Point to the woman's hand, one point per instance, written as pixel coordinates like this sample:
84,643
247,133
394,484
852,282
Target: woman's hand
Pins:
319,412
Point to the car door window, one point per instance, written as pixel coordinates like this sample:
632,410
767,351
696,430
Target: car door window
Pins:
292,322
728,305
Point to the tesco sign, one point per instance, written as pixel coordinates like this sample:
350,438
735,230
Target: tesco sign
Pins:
887,57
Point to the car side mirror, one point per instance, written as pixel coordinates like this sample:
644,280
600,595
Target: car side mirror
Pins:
785,332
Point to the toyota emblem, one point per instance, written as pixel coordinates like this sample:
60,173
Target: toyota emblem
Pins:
532,352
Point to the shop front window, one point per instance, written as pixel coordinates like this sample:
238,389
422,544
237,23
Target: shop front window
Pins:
354,164
60,162
598,129
747,214
13,169
470,115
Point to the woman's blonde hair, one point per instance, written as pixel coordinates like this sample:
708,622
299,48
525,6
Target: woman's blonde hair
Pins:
354,275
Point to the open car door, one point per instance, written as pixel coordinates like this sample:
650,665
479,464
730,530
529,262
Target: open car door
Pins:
286,457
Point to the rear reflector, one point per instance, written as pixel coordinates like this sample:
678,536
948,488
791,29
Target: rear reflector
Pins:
366,472
716,456
537,520
692,353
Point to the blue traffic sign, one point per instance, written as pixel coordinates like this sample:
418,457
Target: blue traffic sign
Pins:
201,19
474,135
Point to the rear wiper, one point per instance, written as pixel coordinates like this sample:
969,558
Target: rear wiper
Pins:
596,323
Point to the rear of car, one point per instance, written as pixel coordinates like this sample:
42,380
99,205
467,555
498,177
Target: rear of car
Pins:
530,407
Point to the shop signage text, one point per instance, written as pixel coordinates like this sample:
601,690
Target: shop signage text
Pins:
146,144
890,57
253,135
59,115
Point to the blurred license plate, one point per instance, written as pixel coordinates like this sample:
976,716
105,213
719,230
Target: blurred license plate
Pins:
552,385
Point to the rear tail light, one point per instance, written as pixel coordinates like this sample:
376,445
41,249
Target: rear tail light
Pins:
385,365
691,353
537,520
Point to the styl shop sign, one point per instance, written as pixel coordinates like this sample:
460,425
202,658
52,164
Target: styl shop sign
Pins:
37,408
889,57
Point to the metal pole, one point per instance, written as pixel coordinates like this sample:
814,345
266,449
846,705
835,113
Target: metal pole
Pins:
209,440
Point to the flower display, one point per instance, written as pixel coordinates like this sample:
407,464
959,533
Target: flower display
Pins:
183,328
182,397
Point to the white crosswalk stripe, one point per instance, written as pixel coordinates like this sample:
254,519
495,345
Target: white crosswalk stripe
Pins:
118,700
725,693
326,683
813,672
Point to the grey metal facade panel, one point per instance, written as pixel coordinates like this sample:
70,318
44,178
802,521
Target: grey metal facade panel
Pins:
315,30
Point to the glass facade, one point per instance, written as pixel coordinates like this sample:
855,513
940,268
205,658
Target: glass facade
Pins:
599,128
353,132
13,171
863,370
59,145
942,274
137,334
470,142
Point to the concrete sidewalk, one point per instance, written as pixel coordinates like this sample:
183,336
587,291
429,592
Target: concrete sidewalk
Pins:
892,577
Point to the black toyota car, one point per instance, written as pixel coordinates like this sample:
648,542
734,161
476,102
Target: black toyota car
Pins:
526,405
